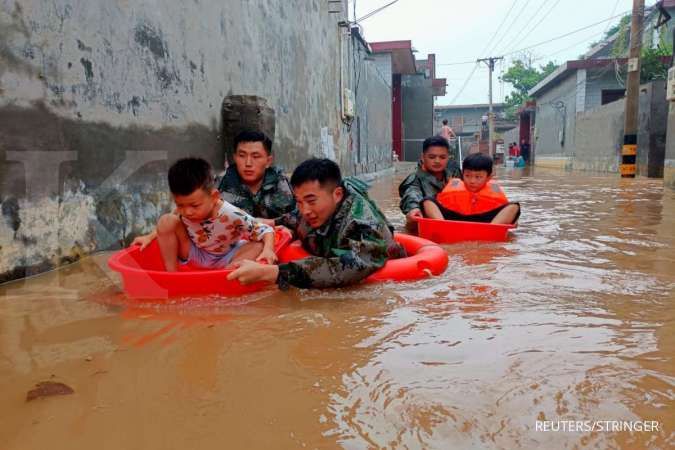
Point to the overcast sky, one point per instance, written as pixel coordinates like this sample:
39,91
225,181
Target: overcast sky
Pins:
460,31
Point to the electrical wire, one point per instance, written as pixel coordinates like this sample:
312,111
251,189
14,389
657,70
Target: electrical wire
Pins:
510,27
372,13
514,41
466,82
500,26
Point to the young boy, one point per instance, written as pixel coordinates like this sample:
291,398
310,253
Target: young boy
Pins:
474,198
433,172
204,229
347,235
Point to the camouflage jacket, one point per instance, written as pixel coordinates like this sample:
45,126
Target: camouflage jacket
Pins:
274,199
420,185
355,242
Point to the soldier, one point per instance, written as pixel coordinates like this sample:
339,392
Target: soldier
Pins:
347,235
433,172
252,183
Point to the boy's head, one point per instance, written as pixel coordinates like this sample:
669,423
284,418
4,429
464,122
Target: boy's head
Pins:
317,185
192,185
252,155
445,121
435,154
476,171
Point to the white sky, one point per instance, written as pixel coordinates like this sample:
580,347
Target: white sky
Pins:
460,30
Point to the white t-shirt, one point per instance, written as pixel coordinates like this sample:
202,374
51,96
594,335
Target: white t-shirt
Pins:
219,235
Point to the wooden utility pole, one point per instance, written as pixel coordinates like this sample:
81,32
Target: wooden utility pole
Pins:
630,130
491,118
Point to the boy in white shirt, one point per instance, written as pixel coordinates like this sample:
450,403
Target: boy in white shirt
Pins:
204,229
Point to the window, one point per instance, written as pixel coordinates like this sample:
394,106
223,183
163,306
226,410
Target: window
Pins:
611,95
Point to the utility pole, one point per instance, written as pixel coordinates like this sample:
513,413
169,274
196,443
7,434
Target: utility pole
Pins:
630,129
491,118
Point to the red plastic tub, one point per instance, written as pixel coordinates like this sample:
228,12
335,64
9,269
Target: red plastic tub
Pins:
144,277
426,259
451,231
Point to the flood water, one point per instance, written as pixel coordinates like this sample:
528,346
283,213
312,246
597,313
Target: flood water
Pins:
572,319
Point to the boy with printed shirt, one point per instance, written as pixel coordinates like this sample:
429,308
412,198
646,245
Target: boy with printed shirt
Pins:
204,229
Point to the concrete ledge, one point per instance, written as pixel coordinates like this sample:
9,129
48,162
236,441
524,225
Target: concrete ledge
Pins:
669,173
553,162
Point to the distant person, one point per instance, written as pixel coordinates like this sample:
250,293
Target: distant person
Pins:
346,234
474,198
511,150
446,131
252,183
525,151
434,170
516,150
205,230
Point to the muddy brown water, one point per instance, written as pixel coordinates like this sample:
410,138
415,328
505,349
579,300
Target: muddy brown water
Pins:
572,319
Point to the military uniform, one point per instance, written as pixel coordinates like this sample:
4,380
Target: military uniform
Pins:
274,199
420,185
355,242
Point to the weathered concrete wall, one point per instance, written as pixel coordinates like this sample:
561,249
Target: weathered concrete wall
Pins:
555,127
599,138
596,82
653,121
418,112
669,164
371,131
97,98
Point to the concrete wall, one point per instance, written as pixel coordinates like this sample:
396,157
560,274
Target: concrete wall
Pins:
555,127
596,82
669,164
471,115
371,132
599,138
653,121
99,97
418,111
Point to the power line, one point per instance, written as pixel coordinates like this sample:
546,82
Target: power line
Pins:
372,13
562,35
466,82
531,30
500,26
513,22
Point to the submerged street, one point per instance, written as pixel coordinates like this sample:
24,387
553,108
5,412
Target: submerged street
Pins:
571,319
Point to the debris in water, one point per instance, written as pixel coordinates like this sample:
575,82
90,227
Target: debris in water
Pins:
47,389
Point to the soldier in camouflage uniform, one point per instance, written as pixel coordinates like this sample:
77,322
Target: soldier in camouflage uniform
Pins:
252,183
346,234
433,172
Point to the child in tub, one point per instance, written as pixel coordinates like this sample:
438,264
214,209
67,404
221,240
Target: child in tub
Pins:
204,229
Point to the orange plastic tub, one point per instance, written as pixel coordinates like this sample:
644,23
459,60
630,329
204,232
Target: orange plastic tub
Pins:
144,277
426,259
451,231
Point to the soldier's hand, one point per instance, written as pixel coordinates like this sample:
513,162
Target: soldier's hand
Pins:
247,272
413,215
268,256
268,222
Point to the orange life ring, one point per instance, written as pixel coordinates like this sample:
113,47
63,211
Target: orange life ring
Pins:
426,259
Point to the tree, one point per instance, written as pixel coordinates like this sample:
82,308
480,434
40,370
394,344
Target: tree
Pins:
523,76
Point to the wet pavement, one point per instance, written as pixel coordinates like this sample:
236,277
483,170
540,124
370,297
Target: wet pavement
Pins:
572,319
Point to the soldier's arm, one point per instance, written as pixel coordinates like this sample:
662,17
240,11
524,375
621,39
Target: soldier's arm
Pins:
411,194
364,253
289,220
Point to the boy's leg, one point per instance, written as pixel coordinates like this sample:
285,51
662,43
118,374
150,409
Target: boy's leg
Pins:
431,210
173,241
250,250
508,215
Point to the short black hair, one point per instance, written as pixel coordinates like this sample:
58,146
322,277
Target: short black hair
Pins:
189,174
322,170
477,162
435,141
253,136
445,121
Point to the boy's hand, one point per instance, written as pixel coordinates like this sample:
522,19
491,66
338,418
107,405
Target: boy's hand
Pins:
144,240
268,256
250,272
413,215
268,222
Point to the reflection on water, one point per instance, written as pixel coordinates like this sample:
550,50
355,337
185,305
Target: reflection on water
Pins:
572,319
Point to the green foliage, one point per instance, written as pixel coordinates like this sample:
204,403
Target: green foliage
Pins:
523,76
651,67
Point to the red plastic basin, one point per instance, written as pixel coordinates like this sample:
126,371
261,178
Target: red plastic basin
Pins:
451,231
144,277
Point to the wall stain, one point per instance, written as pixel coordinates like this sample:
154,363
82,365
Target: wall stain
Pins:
148,38
88,69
